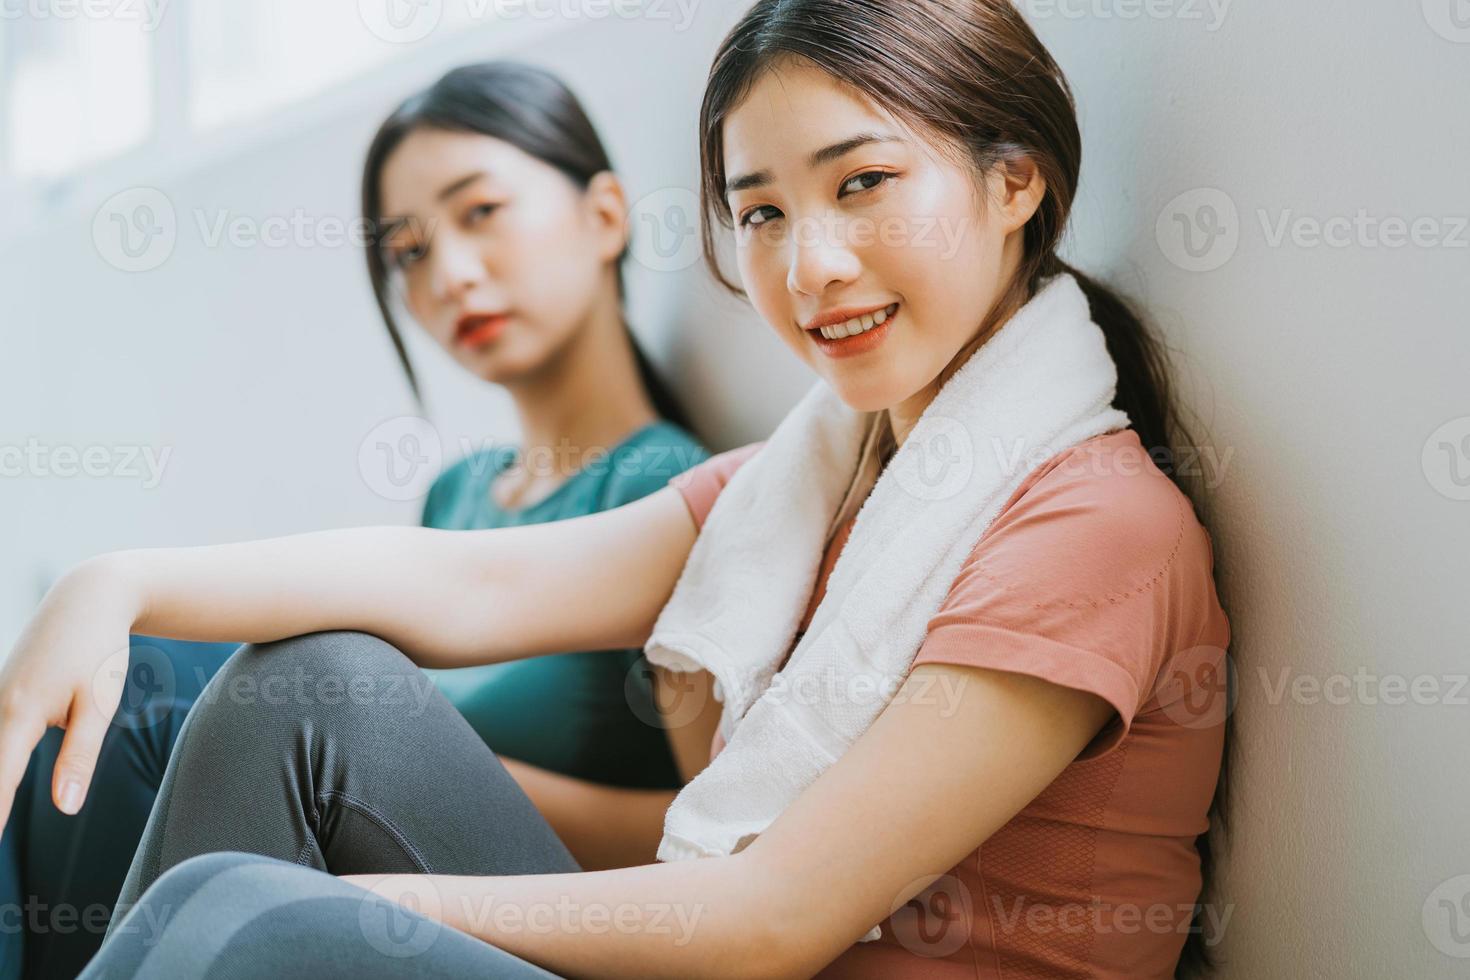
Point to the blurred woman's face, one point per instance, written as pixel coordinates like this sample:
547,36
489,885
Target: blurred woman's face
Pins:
848,220
498,256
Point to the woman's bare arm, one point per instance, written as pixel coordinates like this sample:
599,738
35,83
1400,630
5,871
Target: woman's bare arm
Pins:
932,778
446,598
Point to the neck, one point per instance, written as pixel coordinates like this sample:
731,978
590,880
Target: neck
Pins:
588,395
903,416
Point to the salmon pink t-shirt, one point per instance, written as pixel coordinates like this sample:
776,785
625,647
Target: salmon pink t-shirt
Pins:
1095,575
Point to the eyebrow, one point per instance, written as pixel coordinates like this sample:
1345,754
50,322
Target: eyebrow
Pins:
463,182
392,225
826,154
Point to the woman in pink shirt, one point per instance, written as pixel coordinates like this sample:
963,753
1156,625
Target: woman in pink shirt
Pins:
1032,801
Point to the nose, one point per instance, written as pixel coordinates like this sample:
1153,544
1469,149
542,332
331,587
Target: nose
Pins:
456,267
820,258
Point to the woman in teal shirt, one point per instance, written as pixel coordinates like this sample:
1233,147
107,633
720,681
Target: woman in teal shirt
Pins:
588,714
500,227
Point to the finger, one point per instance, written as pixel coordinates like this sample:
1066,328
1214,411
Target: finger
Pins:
20,730
85,729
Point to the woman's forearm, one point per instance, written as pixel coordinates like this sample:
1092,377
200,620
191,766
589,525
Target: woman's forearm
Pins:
445,598
704,918
411,586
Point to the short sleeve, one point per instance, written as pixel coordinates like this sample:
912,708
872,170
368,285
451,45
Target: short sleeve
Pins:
1089,578
701,484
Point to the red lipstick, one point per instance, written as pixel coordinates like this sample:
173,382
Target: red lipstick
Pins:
479,329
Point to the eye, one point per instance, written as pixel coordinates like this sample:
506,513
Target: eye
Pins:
481,211
865,181
402,258
747,220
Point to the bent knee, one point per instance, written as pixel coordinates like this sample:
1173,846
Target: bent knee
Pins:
330,651
182,881
175,889
317,675
315,663
206,895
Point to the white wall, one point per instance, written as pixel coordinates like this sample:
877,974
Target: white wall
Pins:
1324,371
1320,373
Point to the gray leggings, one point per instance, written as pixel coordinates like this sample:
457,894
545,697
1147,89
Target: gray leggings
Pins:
316,756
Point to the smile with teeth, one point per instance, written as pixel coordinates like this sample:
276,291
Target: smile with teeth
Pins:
859,324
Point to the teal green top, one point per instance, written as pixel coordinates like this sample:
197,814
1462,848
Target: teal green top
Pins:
584,714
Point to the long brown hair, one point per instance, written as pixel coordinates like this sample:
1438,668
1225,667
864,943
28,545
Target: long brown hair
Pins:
972,73
534,111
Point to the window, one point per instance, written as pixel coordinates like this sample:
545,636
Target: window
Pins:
77,89
247,58
81,82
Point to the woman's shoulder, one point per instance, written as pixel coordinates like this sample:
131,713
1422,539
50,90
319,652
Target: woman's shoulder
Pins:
1102,524
647,460
1099,524
1094,574
1107,492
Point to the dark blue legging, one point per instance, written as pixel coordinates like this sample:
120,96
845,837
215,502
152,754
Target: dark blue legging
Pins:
59,874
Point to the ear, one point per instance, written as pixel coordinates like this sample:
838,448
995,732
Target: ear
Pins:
607,209
1018,190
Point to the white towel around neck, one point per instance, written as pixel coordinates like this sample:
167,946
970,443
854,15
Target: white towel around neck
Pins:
1041,385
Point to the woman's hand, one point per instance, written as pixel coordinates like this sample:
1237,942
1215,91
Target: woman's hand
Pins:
67,670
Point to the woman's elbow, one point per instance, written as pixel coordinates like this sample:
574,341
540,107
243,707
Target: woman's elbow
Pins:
781,943
771,960
768,938
786,954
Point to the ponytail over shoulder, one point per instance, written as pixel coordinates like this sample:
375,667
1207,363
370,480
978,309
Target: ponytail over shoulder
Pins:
1144,389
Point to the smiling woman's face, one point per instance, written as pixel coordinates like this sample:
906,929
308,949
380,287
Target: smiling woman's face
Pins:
839,211
497,255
